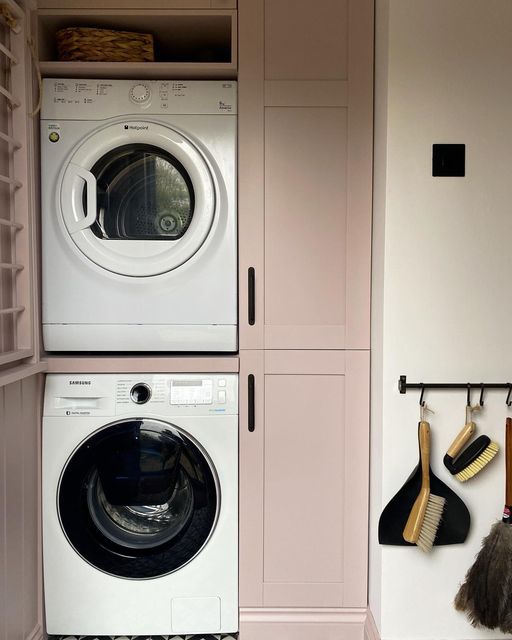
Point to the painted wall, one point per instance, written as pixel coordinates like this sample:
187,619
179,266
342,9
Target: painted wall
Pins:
20,557
442,279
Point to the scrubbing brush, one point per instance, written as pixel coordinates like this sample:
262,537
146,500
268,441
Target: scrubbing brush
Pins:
472,460
427,511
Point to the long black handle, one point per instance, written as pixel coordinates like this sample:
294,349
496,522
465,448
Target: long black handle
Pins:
251,286
250,402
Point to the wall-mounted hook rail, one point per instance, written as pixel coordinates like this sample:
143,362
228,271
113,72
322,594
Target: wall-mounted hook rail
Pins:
404,386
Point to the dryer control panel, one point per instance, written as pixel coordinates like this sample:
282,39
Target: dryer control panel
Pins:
79,99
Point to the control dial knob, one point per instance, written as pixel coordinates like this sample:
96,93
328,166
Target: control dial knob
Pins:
140,393
140,93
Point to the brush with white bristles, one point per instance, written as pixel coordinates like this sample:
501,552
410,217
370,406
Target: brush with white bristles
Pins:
427,510
475,457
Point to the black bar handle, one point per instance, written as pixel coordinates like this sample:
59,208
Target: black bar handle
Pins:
251,285
250,402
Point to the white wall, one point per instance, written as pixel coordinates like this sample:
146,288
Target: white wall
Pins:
442,301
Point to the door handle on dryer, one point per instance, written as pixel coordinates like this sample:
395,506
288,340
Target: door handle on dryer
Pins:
251,294
250,403
90,185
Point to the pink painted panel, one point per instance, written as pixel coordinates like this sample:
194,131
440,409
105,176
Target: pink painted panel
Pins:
250,167
301,631
305,41
20,550
314,336
360,166
13,516
142,364
304,482
32,389
305,227
305,362
356,462
3,548
251,482
308,594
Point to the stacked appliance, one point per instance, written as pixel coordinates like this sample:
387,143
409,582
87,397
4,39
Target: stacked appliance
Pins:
140,497
140,471
138,190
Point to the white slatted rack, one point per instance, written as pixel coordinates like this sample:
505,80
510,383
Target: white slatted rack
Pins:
16,321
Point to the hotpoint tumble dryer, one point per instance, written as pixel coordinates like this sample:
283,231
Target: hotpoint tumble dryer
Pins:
138,185
140,504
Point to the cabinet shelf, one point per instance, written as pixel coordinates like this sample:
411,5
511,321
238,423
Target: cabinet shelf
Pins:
188,44
135,70
141,363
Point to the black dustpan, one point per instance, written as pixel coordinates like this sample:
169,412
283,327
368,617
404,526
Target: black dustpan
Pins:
456,520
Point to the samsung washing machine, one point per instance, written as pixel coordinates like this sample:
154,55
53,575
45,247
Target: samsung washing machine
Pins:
140,504
138,185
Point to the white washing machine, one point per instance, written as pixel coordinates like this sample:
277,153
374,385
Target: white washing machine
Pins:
140,504
138,185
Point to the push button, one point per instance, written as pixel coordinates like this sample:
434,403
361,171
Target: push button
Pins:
221,397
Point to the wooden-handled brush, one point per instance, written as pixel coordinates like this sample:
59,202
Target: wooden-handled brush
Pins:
426,513
486,594
472,460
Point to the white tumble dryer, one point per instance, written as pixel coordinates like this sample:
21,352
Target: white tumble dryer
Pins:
138,185
140,504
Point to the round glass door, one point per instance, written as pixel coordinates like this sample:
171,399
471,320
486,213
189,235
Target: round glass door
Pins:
142,193
138,200
138,499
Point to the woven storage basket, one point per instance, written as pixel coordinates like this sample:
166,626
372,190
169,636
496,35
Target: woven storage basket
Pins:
103,45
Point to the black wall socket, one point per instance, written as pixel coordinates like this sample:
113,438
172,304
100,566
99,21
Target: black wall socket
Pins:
449,160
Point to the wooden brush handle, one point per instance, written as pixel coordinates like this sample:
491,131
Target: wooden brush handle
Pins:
414,523
508,462
461,439
424,438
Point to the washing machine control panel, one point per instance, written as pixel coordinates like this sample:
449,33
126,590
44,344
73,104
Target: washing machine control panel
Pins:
111,395
182,394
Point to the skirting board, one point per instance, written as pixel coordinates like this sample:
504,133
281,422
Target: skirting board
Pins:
305,624
36,633
370,628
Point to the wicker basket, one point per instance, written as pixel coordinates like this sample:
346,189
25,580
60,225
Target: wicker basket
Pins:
103,45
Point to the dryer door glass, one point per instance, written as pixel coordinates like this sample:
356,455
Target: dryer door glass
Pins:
143,193
138,499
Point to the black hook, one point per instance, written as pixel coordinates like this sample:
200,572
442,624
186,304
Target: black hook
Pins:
508,401
482,388
422,402
468,400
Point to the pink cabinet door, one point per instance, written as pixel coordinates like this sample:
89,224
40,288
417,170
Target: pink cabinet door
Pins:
303,479
305,169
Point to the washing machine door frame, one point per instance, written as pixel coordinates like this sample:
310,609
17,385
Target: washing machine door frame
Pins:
135,257
91,534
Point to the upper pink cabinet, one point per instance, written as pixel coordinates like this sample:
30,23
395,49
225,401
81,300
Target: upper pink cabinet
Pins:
305,103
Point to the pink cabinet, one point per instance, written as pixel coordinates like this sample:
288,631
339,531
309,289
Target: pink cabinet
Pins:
305,190
303,478
305,167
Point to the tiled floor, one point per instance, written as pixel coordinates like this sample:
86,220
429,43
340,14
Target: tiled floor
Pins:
145,637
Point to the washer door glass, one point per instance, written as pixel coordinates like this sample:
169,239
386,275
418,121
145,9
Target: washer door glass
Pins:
143,193
138,200
138,499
